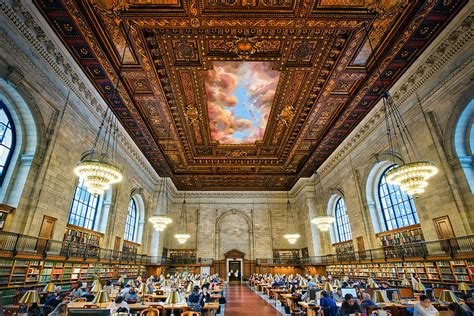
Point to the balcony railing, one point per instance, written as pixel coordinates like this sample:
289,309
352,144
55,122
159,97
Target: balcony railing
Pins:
16,244
446,247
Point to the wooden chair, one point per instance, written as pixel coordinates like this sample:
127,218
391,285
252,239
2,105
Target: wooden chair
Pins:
189,313
406,292
150,311
80,299
91,306
147,300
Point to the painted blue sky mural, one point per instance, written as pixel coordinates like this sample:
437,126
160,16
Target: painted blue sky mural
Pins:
239,97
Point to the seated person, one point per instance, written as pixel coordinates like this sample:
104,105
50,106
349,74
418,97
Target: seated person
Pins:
349,306
384,285
54,300
108,286
326,301
132,296
310,294
366,301
424,307
337,295
125,290
77,290
118,304
193,300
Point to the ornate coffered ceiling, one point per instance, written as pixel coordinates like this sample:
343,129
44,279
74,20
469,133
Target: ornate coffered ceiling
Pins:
243,94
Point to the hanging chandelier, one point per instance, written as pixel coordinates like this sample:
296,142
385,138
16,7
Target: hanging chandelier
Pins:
292,237
322,222
94,168
161,221
413,173
182,236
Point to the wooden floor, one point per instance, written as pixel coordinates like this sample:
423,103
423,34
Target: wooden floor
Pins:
243,301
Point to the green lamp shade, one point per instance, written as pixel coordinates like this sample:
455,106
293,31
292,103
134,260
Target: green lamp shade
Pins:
380,297
101,297
337,283
328,287
448,296
420,287
96,287
190,287
49,288
143,288
29,297
406,283
173,298
464,287
131,283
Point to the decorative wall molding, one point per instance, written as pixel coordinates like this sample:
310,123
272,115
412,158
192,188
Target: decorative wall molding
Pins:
22,19
440,56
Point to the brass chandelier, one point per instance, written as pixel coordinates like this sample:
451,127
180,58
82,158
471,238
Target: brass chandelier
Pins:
182,236
323,222
291,236
161,220
95,167
413,173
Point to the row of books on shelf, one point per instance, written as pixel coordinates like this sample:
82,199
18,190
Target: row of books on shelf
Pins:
436,271
25,273
411,234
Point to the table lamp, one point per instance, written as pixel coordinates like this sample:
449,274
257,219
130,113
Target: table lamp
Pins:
419,287
190,287
50,287
337,283
131,283
448,296
405,283
173,298
121,280
96,286
345,279
101,297
143,288
372,284
464,287
328,287
380,297
29,297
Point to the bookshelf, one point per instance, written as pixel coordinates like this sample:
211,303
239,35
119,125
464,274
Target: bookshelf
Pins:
439,272
286,254
406,237
130,247
181,253
344,248
80,238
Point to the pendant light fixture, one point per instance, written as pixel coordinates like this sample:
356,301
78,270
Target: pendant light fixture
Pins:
413,173
96,166
161,220
291,236
322,222
182,236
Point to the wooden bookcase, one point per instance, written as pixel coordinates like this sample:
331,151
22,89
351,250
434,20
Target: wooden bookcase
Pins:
80,237
181,253
130,247
343,248
35,274
287,254
390,240
439,272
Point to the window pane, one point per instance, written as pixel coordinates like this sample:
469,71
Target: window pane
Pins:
131,221
84,207
343,229
7,139
398,208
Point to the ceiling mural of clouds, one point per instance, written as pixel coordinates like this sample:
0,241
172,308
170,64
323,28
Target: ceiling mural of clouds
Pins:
239,99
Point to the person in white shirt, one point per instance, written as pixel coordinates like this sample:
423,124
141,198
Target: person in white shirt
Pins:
125,290
118,303
424,307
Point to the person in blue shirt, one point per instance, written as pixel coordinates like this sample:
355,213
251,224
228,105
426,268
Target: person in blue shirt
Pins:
366,301
326,301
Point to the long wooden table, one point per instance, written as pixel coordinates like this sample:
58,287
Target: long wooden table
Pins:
311,310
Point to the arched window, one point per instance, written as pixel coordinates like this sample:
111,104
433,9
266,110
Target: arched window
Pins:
398,209
84,207
131,224
7,140
343,228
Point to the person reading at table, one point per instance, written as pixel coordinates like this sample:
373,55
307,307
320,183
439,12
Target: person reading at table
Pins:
108,286
77,290
367,301
310,294
132,297
118,304
424,307
54,300
326,301
194,299
204,298
349,306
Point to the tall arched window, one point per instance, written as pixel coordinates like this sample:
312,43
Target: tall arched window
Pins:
7,140
343,228
398,209
84,207
131,224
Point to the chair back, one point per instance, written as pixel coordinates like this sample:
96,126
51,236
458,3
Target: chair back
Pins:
189,313
150,311
406,293
80,299
91,306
